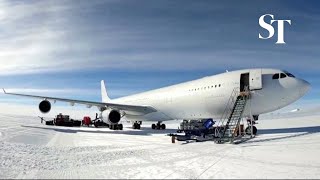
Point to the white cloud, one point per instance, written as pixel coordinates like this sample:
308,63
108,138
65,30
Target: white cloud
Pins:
64,92
53,91
46,36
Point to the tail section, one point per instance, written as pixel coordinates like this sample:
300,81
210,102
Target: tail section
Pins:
104,94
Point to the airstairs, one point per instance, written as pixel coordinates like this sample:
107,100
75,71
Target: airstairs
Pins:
229,125
228,129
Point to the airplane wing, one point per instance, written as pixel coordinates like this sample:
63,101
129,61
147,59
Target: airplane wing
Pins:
121,107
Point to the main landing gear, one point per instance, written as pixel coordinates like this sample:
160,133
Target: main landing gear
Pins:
137,125
158,126
116,127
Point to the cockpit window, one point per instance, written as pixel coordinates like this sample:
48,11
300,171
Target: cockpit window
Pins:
289,74
282,75
275,76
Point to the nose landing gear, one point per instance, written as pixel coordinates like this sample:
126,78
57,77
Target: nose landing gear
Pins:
254,128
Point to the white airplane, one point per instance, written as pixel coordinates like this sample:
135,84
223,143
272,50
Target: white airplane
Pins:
270,89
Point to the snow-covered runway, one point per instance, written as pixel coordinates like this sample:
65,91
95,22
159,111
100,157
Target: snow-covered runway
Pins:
285,148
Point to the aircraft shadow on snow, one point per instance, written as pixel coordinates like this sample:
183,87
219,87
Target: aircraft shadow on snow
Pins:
145,131
312,129
299,131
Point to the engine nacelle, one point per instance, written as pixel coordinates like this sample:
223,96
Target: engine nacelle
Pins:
111,116
45,106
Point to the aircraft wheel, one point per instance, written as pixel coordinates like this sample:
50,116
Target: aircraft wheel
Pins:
163,126
254,130
153,126
120,126
247,130
138,126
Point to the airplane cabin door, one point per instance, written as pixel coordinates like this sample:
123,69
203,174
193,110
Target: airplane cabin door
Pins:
244,81
255,79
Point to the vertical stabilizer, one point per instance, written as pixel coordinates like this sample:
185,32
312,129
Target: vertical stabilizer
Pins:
104,94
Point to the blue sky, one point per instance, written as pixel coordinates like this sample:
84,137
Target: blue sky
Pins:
64,48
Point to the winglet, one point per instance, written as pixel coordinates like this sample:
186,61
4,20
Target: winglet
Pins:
104,94
4,91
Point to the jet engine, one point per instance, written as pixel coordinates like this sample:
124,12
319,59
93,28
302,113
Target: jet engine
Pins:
45,106
111,116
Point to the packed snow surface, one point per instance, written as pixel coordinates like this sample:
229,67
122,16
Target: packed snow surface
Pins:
286,147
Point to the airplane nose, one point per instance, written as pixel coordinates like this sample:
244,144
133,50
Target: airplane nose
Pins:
304,87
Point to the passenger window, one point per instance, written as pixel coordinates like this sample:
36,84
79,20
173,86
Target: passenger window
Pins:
276,76
282,75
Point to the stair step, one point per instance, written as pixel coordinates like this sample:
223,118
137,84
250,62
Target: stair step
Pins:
234,116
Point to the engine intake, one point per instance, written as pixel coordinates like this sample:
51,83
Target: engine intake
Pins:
45,106
114,116
111,116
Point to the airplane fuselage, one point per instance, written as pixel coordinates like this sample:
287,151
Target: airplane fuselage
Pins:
207,97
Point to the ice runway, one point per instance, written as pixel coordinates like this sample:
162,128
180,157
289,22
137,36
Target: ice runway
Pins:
285,148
